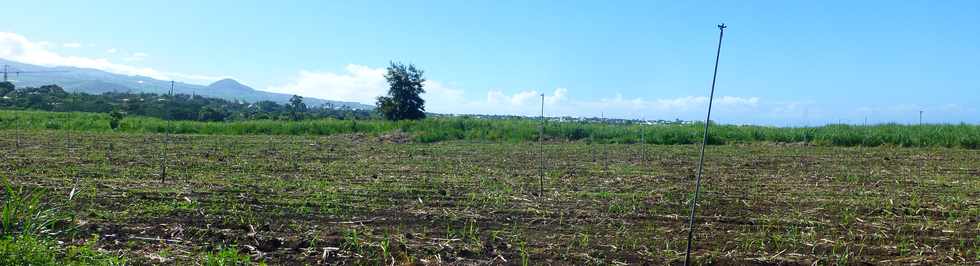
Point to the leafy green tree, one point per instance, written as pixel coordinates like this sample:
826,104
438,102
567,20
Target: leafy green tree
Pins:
115,118
296,107
267,106
404,99
386,106
6,87
211,114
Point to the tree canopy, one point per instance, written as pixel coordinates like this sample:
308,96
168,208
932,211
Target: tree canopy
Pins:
296,107
404,99
6,87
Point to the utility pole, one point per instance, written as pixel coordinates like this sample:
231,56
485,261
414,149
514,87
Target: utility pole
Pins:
704,142
920,117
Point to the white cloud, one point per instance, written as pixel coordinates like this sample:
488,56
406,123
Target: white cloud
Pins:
136,57
676,105
360,84
364,84
72,45
522,97
18,48
111,50
437,92
740,101
527,97
557,96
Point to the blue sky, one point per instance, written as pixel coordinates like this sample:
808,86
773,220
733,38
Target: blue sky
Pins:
783,62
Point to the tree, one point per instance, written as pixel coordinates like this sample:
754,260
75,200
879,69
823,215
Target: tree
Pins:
6,87
404,100
211,114
53,90
115,117
296,107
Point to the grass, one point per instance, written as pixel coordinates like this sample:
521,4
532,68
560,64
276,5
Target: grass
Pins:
27,250
226,256
23,213
28,226
521,130
349,200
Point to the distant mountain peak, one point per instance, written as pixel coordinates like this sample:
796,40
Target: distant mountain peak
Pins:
229,84
227,81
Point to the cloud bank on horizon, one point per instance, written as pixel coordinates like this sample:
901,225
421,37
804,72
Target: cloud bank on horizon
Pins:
18,48
362,83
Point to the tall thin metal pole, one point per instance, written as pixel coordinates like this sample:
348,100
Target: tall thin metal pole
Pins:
704,142
920,117
541,147
166,136
806,125
605,148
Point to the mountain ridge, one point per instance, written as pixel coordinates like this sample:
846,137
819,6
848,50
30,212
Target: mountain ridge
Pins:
97,81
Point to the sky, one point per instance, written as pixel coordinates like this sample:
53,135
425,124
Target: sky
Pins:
788,63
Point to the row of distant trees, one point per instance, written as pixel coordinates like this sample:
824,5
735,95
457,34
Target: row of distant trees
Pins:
403,101
176,107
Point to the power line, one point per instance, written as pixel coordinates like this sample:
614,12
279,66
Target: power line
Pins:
7,70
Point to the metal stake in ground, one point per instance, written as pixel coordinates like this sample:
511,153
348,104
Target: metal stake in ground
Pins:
704,142
166,137
605,152
541,144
